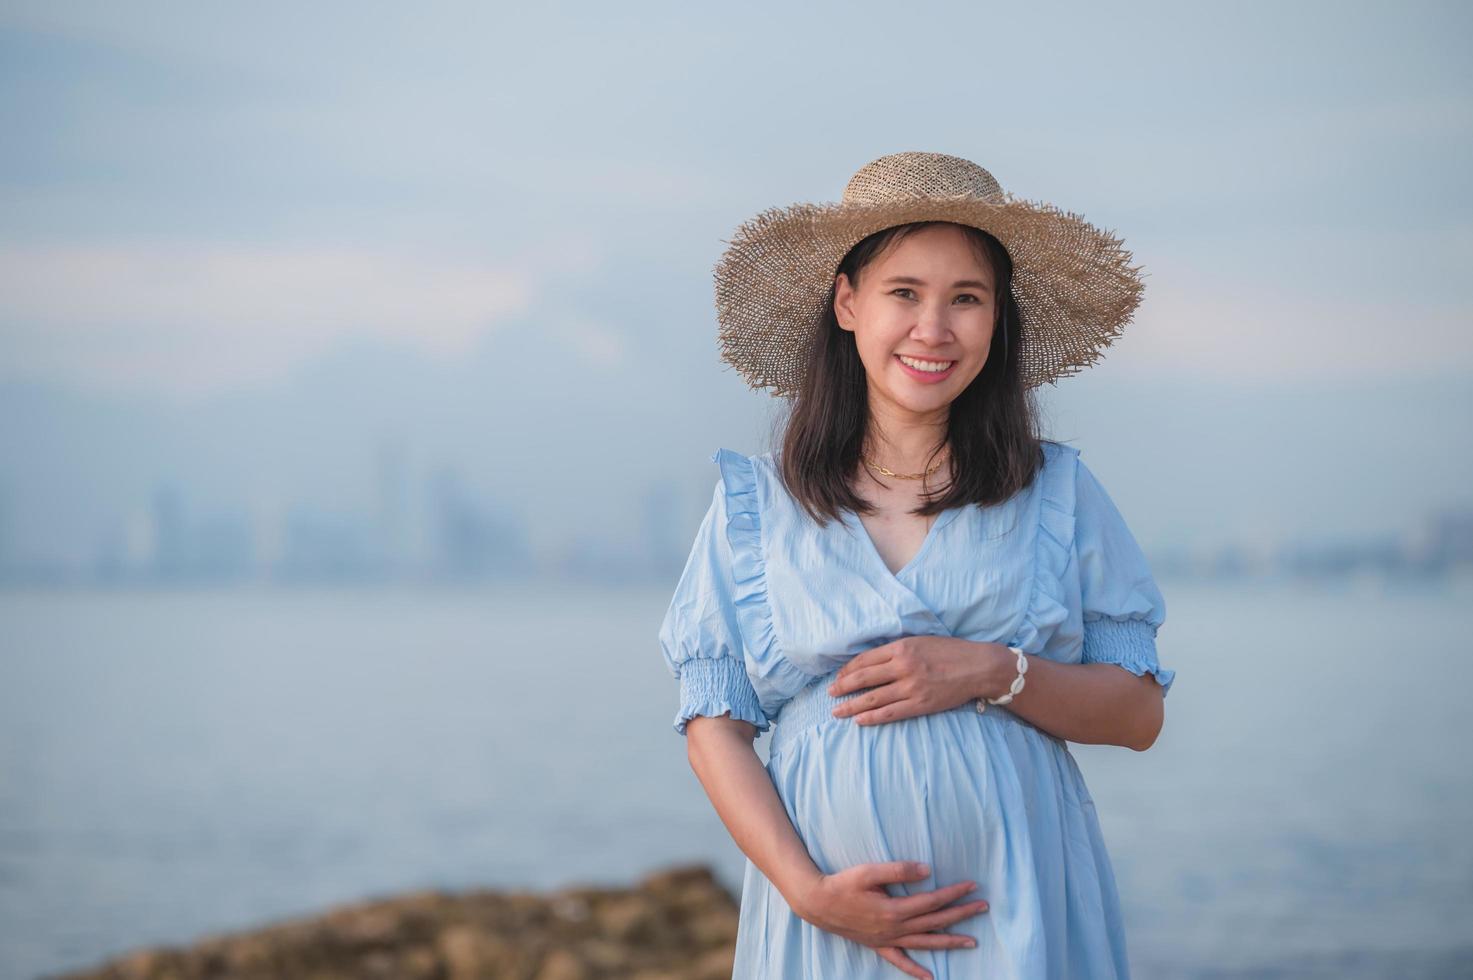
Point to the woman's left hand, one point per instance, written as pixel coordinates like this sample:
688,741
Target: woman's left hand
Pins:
917,675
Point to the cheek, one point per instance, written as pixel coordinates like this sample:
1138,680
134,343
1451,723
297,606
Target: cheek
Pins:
877,342
984,330
874,354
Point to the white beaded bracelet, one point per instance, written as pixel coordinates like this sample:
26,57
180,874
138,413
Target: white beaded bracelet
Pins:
1014,688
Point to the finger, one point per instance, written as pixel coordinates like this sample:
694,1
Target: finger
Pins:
853,678
906,964
932,921
876,698
913,905
886,872
894,711
935,940
870,657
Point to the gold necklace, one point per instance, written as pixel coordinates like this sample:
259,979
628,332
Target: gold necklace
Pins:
900,476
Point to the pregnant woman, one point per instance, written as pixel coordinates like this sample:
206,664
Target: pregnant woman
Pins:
923,599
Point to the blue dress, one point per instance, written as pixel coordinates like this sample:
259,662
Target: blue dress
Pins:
770,606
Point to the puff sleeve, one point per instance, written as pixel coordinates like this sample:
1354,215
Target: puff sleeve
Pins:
700,638
1121,604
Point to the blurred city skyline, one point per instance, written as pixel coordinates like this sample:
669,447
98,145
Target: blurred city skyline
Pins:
246,254
429,526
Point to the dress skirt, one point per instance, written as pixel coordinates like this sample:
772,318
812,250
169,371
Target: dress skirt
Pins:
982,797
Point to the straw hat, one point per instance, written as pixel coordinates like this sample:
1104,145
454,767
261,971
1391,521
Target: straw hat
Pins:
1073,282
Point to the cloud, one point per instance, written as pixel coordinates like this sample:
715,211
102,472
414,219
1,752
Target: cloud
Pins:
598,344
1229,326
187,317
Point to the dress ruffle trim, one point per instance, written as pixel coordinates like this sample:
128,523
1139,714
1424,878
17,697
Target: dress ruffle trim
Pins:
1128,641
1047,604
714,686
749,574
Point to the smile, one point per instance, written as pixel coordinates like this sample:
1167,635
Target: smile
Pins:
920,365
925,370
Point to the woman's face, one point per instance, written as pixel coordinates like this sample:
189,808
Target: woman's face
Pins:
928,300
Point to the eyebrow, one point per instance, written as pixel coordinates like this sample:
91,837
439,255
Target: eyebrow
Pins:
960,283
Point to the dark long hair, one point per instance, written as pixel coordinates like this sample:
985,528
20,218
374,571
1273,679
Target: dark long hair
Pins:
992,426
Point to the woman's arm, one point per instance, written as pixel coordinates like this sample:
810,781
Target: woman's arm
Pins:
1093,704
724,760
851,903
1089,703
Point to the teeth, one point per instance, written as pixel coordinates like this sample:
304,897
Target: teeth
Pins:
926,365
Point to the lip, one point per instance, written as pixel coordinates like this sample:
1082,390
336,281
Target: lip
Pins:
930,377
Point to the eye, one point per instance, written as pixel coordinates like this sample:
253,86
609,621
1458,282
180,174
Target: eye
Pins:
902,289
970,297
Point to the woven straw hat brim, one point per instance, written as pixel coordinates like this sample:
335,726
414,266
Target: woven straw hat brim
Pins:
1073,282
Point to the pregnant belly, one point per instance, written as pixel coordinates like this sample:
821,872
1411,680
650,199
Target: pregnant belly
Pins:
956,790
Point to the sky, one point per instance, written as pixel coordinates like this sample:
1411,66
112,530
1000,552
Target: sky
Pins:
242,248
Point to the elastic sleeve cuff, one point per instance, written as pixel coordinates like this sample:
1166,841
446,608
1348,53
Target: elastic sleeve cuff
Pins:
1129,643
713,686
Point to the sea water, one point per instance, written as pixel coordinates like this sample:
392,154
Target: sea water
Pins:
174,763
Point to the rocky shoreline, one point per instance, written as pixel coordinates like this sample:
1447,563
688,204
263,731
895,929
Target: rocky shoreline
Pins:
675,924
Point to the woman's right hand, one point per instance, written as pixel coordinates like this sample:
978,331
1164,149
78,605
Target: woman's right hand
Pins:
853,903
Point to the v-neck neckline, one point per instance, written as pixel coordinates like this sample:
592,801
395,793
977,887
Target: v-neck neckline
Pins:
942,519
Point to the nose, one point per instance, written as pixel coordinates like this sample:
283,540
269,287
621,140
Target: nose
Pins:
932,324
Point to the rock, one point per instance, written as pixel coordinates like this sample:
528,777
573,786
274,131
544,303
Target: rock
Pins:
420,963
562,965
469,953
676,924
714,965
714,927
673,879
141,965
573,908
606,956
248,955
628,918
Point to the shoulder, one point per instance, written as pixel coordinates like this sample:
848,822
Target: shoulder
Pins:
737,486
753,485
722,454
737,469
1055,479
740,470
1058,452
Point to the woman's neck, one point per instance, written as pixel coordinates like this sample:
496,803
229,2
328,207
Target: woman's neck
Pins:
905,445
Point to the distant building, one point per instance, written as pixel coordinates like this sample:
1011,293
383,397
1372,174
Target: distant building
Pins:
473,540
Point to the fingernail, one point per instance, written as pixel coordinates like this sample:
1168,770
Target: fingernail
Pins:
971,943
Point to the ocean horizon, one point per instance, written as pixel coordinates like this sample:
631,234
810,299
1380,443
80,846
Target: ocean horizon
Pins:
182,762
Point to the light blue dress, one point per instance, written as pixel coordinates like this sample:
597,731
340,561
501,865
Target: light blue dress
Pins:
770,606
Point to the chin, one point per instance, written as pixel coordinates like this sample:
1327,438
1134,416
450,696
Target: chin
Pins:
940,397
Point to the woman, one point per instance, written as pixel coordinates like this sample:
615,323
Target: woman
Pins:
921,598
